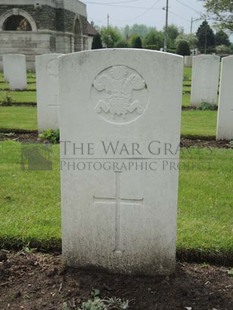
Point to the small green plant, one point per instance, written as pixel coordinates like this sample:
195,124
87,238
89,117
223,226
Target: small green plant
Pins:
95,303
50,135
231,144
205,106
7,99
186,77
230,272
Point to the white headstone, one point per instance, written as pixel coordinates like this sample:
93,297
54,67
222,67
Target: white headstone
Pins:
188,61
205,78
15,72
225,105
47,91
120,131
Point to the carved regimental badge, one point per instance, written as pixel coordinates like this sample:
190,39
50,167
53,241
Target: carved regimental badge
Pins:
119,95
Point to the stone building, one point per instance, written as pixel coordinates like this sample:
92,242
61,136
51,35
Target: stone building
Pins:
34,27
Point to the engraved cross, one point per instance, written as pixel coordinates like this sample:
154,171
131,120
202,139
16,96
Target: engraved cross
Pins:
117,201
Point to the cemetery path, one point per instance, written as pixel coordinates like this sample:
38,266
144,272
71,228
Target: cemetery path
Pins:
33,281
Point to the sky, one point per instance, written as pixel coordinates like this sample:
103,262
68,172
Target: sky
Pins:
147,12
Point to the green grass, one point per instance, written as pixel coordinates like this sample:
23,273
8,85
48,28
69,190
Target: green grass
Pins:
187,73
199,123
205,218
30,200
18,118
187,76
194,123
19,96
186,100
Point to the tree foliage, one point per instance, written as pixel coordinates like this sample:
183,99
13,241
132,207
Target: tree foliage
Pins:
222,10
121,44
97,42
172,32
206,37
110,36
221,38
190,38
138,29
183,48
223,49
135,41
153,40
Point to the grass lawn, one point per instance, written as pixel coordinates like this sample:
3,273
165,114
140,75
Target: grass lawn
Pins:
18,118
205,218
30,200
199,123
19,96
194,123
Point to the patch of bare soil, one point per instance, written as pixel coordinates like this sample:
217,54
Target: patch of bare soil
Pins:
40,281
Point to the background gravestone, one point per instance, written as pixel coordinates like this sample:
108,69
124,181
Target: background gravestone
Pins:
225,106
205,78
15,72
47,91
188,61
120,132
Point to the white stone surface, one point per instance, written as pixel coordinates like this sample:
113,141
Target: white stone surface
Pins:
47,91
120,130
15,72
205,78
225,105
188,61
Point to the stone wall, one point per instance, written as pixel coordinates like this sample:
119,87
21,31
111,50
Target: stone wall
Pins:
54,25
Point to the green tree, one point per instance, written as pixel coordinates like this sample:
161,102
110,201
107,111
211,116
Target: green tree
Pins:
135,41
183,48
153,40
206,37
221,38
110,36
140,30
172,32
121,44
97,42
223,49
190,38
222,11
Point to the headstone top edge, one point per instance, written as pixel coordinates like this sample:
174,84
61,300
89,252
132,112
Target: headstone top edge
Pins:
121,51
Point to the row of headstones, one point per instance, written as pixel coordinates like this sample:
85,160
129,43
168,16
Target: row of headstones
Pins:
205,86
205,80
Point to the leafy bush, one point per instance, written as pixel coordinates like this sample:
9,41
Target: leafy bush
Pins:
223,49
50,135
122,44
7,100
135,41
204,106
183,48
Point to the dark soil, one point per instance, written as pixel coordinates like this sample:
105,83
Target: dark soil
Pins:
40,281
